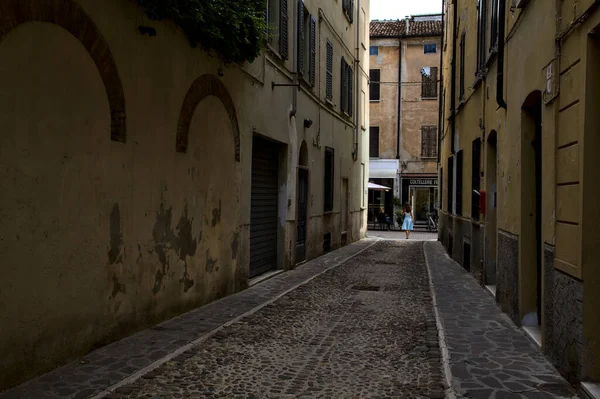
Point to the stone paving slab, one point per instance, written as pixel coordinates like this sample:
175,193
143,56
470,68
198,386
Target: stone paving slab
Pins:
489,356
110,365
365,329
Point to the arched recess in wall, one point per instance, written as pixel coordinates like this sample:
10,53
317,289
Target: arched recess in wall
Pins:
70,16
303,155
204,86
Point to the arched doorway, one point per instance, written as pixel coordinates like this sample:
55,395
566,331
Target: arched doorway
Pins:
490,215
302,201
530,270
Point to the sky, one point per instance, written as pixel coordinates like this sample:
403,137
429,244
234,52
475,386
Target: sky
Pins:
398,9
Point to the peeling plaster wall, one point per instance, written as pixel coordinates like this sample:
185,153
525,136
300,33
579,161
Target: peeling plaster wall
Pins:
100,237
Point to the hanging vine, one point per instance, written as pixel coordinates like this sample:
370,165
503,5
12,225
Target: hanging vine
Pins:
234,29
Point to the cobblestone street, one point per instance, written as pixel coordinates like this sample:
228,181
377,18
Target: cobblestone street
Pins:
359,322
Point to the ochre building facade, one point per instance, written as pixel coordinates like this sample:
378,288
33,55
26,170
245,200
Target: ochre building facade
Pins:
142,177
404,100
518,194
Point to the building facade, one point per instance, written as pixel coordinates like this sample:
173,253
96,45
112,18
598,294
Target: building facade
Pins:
404,100
143,177
520,206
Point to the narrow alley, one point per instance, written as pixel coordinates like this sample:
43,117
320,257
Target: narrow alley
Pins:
359,322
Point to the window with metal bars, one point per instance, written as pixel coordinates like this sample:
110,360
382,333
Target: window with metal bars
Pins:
374,142
481,33
429,82
375,87
328,175
428,141
329,73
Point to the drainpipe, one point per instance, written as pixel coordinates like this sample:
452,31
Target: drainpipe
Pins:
500,72
399,123
441,90
295,59
453,86
357,80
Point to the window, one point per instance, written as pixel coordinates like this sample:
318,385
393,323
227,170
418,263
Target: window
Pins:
329,77
277,19
348,7
494,26
373,50
346,87
429,82
451,185
481,33
461,87
429,142
430,48
459,181
374,142
375,88
328,192
475,179
307,35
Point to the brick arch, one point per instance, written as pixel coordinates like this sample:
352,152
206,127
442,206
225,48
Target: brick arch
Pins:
71,16
204,86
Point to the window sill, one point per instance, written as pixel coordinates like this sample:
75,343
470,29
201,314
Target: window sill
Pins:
375,101
328,213
328,101
428,98
274,51
429,158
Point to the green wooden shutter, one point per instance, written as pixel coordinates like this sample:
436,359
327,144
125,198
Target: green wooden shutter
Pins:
301,38
329,82
313,50
283,29
350,87
344,86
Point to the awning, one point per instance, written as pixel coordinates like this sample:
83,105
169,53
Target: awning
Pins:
378,187
383,169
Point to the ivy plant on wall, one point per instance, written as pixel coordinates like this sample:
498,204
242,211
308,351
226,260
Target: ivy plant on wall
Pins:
233,29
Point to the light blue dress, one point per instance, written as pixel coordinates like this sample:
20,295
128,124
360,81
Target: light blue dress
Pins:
407,224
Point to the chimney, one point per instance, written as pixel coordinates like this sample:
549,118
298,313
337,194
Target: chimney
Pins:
407,24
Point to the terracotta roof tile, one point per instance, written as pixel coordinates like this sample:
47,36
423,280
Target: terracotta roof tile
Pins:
398,28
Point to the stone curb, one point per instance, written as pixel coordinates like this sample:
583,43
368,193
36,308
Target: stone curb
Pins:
450,393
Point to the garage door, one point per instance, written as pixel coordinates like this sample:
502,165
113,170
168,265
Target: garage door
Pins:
263,219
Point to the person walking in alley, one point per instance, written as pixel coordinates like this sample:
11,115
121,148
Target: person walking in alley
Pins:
407,224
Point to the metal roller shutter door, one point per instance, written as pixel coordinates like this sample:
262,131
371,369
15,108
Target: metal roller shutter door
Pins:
263,219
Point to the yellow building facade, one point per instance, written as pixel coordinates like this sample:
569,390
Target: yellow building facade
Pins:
519,199
143,177
404,110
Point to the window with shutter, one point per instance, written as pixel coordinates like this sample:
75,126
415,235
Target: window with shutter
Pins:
313,51
283,29
348,7
428,141
273,22
329,77
349,89
301,41
374,88
374,142
429,82
450,178
344,86
461,86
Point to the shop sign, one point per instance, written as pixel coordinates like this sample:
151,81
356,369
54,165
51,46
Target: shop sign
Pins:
423,182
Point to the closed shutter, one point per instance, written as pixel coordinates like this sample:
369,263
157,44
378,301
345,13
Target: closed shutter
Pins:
313,50
349,106
344,85
374,142
328,175
428,141
283,29
301,38
451,185
263,214
329,80
351,10
459,182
